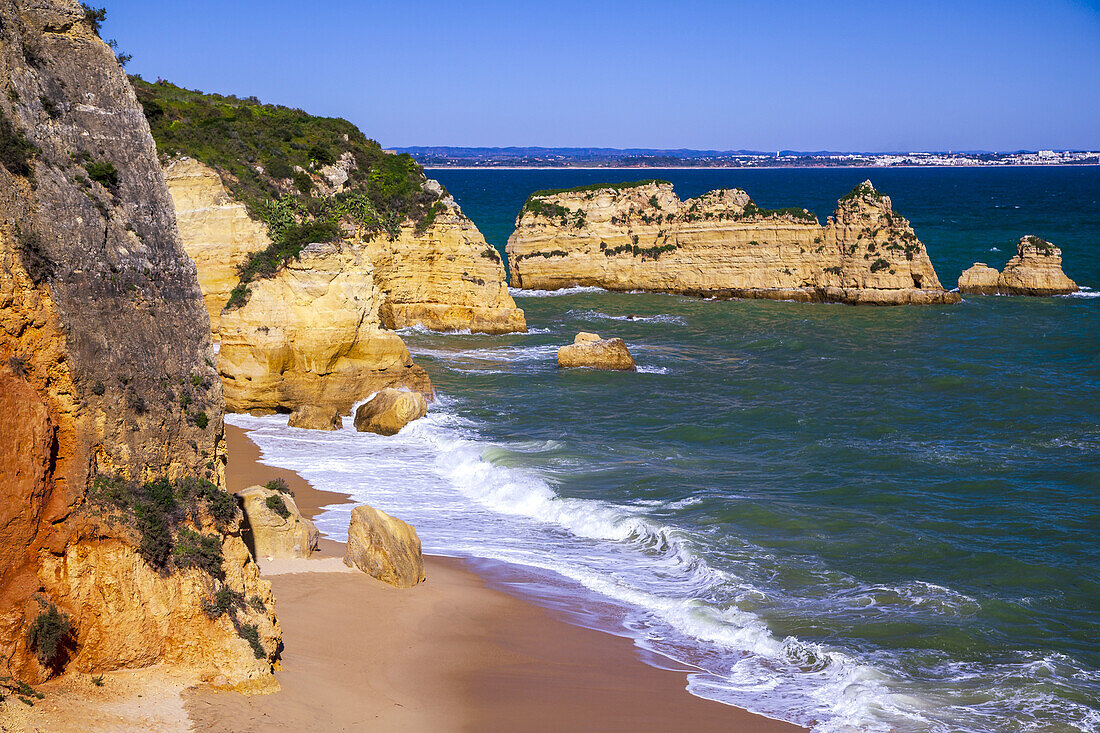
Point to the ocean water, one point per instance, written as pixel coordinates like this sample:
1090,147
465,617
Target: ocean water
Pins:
854,518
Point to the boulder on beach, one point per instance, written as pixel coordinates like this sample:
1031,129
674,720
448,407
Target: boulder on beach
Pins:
384,547
277,528
389,411
315,417
589,350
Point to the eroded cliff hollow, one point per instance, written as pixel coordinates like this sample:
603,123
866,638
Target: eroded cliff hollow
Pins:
118,545
641,236
1036,269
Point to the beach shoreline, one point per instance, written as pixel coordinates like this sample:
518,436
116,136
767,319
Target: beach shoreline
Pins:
457,652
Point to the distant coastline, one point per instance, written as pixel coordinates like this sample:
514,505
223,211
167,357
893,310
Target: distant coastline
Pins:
431,167
462,158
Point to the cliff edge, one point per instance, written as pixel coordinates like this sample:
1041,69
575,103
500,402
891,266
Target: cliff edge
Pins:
118,545
641,236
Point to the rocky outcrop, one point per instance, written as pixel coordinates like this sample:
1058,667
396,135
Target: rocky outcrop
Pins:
274,526
445,278
217,232
106,368
312,417
1035,270
389,411
312,335
589,350
721,244
384,547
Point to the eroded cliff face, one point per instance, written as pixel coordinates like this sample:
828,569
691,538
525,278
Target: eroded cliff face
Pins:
1036,269
217,232
447,278
312,335
643,237
102,334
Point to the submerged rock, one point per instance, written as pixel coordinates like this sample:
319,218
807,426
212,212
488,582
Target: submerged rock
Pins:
315,417
589,350
1035,270
277,528
384,547
389,411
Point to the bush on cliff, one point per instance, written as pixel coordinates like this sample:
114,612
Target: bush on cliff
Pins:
48,635
16,152
159,509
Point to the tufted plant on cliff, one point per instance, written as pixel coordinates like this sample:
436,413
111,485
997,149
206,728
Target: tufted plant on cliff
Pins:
160,509
16,152
49,635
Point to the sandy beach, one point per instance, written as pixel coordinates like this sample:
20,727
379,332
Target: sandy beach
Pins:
449,655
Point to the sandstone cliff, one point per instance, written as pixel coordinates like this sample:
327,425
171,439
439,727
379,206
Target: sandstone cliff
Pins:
106,369
311,335
217,232
1036,269
643,237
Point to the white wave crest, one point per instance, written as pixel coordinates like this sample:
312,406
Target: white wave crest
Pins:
574,290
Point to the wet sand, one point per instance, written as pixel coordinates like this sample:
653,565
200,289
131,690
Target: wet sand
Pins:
449,655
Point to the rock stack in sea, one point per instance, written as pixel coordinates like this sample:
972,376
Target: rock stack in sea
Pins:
119,546
641,236
1036,269
589,350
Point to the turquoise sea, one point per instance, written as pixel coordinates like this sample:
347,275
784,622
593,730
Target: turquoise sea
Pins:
853,518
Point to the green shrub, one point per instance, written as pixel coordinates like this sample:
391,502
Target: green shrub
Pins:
833,270
302,182
94,17
201,420
879,264
48,634
276,504
280,485
16,152
104,173
257,604
196,550
251,634
97,680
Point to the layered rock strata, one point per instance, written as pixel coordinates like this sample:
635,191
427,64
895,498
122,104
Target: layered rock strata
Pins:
217,232
1036,269
389,411
384,547
275,526
106,369
311,335
589,350
720,244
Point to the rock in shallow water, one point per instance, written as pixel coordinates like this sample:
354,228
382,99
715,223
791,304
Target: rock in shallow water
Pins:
589,350
384,547
389,411
314,417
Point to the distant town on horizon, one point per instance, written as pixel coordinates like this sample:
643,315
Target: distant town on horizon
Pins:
540,157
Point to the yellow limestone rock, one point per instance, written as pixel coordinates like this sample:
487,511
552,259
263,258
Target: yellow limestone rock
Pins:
589,350
311,335
389,411
312,417
720,244
217,232
979,279
384,547
275,526
1035,270
447,278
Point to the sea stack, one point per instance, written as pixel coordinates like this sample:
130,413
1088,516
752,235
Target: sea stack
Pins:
641,236
1035,270
589,350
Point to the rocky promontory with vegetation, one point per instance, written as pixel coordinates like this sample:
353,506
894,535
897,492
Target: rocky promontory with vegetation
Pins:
312,245
119,546
1036,269
641,236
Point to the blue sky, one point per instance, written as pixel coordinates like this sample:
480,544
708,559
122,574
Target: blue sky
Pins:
865,76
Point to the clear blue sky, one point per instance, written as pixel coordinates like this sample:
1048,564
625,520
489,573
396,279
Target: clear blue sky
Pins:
883,75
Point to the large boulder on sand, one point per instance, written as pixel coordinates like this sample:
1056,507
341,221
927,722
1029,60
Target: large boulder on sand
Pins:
384,547
277,528
979,279
389,411
315,417
589,350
